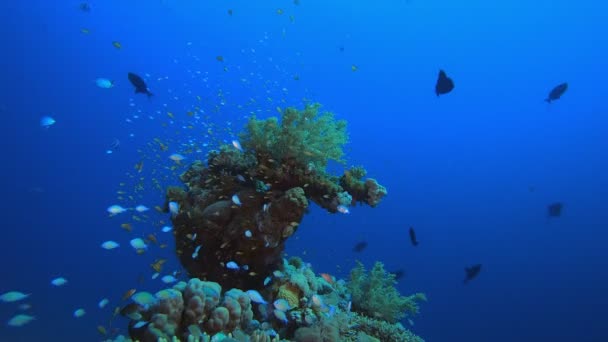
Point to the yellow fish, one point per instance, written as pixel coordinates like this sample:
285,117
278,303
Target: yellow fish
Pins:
126,226
354,67
102,330
158,264
84,31
117,44
139,166
128,294
280,11
220,58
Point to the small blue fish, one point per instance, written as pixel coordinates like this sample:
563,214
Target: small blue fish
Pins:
59,281
139,324
20,320
282,305
232,265
267,281
173,208
47,121
280,315
116,209
236,200
102,303
195,254
256,297
144,299
343,209
104,83
110,245
13,296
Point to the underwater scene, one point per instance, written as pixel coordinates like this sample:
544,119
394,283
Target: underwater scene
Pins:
304,170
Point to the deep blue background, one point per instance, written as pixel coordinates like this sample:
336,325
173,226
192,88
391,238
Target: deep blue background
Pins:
458,168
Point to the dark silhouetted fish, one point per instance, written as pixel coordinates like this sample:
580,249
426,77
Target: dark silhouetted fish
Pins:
555,209
359,247
413,237
139,84
85,7
471,272
557,92
444,84
115,144
398,274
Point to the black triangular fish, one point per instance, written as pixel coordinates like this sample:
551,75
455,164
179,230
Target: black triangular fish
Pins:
139,84
359,247
557,92
555,209
398,274
444,84
413,237
471,272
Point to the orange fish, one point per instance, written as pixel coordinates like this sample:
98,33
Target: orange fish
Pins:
126,226
152,238
158,264
328,278
128,294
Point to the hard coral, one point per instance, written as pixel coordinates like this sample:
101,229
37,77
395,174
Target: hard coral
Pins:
375,295
200,307
290,293
302,135
368,191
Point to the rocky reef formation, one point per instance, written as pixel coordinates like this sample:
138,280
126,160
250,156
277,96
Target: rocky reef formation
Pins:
237,211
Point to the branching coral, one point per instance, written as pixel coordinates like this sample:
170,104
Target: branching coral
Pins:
307,136
375,295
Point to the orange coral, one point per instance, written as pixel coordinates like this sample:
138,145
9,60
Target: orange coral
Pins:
291,294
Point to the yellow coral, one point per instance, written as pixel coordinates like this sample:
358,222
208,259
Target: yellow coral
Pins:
290,293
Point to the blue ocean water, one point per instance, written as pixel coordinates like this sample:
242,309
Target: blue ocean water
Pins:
473,171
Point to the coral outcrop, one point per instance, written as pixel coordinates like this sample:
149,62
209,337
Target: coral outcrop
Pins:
236,212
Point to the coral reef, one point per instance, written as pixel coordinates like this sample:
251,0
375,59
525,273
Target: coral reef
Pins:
236,213
321,311
374,294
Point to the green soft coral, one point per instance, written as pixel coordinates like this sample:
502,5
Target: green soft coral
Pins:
374,294
306,136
